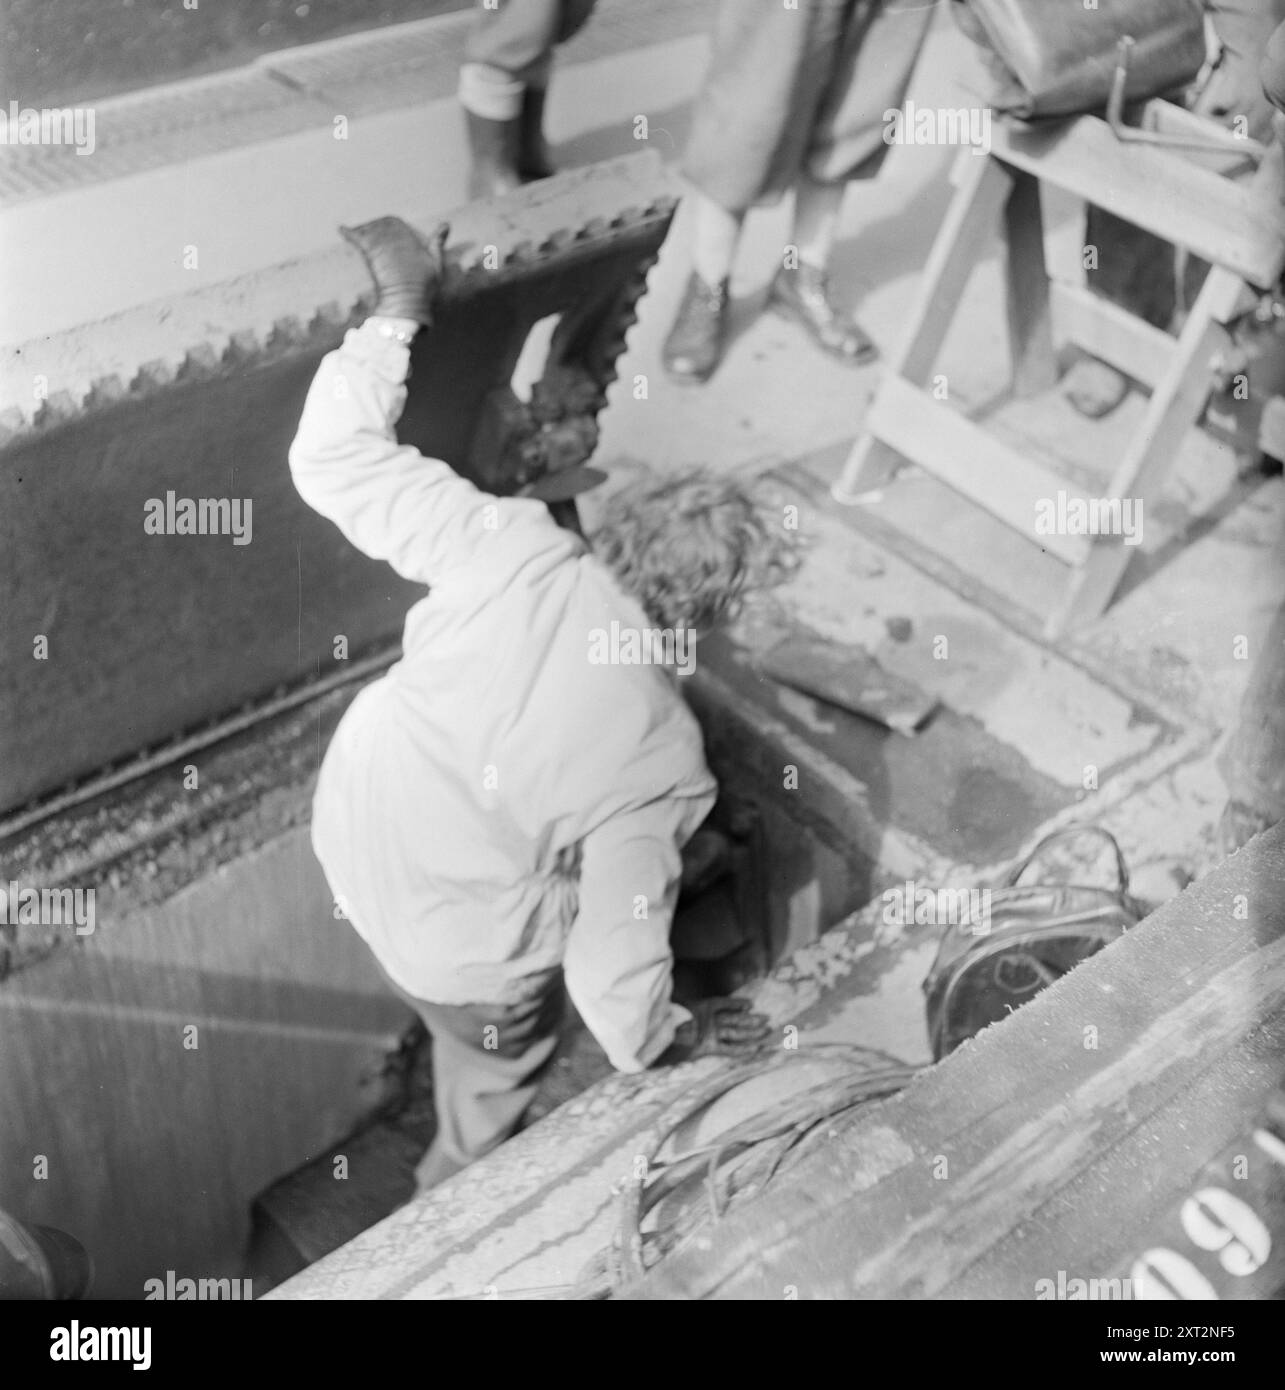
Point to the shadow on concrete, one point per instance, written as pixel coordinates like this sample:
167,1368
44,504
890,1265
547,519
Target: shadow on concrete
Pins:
1144,567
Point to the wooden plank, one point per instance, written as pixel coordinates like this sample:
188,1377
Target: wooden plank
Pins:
971,461
1227,223
1177,401
966,234
1026,301
1174,407
1069,1133
982,186
1111,333
848,676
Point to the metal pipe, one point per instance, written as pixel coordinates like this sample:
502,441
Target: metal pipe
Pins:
1217,142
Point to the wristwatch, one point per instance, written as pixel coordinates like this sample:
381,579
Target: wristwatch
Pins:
392,328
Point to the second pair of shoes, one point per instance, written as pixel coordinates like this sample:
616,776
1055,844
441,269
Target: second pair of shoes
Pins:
507,154
695,342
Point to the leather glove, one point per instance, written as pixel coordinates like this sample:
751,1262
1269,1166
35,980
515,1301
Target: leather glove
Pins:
719,1027
405,266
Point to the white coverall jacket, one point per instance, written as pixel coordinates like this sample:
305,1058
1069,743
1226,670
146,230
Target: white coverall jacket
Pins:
496,805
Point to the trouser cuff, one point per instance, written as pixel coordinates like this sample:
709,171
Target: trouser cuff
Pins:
489,92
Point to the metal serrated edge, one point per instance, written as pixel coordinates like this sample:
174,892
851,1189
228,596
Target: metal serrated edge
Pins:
247,349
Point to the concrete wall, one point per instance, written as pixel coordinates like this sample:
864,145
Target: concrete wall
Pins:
163,1070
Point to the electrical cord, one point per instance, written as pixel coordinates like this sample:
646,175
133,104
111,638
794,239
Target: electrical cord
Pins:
738,1165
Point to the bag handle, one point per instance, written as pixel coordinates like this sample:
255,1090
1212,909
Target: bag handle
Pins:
1067,831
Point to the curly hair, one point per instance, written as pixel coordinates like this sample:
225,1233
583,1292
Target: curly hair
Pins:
690,548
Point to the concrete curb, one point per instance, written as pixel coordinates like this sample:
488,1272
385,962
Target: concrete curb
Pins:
302,88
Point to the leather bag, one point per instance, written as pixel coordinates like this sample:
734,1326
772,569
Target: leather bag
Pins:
1035,933
1058,58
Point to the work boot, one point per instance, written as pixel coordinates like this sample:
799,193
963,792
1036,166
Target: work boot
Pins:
804,296
493,146
695,342
534,160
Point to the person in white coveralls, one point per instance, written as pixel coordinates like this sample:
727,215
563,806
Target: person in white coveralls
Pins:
500,813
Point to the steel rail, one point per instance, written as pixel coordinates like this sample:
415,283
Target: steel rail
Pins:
98,784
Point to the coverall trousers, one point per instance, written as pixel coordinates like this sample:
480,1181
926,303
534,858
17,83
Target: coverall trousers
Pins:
488,1060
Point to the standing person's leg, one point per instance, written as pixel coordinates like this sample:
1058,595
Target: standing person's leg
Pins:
767,65
503,84
875,57
801,289
695,341
534,159
816,219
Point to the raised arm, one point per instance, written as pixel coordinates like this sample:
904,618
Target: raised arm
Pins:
388,499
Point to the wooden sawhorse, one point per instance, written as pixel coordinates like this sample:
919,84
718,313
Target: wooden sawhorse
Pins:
1236,225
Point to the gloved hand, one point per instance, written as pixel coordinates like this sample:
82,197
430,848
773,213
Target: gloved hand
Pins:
719,1027
405,267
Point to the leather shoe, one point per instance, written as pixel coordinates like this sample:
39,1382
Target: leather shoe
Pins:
494,150
803,295
534,161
